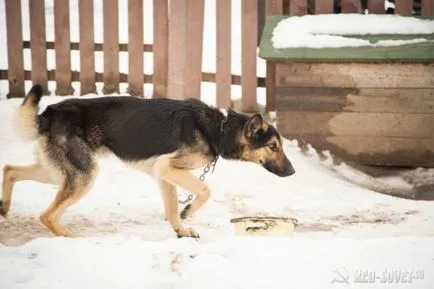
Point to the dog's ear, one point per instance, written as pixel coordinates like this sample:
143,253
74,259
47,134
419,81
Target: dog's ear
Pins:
253,125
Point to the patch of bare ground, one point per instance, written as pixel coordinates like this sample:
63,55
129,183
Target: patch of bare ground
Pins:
19,228
329,223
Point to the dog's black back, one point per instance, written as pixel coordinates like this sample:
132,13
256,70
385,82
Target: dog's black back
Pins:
132,128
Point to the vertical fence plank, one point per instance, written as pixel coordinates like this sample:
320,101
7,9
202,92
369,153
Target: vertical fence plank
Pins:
427,8
111,46
324,6
87,53
38,43
403,7
63,49
351,6
249,39
160,48
15,48
376,6
177,48
193,78
273,7
298,7
135,47
223,53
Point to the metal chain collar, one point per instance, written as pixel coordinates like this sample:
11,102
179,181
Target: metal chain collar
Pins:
212,164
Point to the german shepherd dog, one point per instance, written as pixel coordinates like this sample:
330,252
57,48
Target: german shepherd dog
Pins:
162,137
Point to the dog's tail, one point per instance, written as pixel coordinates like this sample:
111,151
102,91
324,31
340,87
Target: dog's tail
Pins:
26,122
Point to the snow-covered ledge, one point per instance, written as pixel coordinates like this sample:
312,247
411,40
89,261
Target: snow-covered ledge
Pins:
329,30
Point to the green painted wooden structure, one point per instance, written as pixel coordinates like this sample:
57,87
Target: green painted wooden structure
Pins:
420,52
369,105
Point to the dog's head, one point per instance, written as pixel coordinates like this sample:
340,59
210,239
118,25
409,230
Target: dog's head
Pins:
262,144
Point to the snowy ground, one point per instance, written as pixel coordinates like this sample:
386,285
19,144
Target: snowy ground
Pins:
347,233
342,227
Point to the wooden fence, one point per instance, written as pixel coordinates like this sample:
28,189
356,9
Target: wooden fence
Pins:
177,69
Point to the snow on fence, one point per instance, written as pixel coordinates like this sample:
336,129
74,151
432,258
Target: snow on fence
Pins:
177,68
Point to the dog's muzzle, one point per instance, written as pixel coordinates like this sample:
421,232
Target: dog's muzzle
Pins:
282,171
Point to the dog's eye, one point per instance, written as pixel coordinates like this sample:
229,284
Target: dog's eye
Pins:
273,147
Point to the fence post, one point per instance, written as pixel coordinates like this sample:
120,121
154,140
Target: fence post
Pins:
298,7
177,48
14,36
135,47
111,46
403,7
324,6
38,43
87,47
376,7
249,40
62,44
427,8
223,53
160,48
193,57
351,6
273,7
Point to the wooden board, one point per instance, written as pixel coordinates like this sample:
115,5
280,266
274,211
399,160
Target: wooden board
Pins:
63,50
350,6
298,7
249,36
420,52
357,124
37,40
323,6
427,8
110,46
270,83
14,36
193,57
359,75
369,100
160,48
177,49
376,7
223,53
273,7
87,47
404,7
379,151
135,47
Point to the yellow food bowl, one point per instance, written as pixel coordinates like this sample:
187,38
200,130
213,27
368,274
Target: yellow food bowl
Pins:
264,226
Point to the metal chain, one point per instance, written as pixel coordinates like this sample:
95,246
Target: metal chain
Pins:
212,164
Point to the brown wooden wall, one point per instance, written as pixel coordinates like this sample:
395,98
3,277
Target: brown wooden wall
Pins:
380,114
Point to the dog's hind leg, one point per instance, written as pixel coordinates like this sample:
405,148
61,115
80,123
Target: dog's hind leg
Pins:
75,186
79,170
13,174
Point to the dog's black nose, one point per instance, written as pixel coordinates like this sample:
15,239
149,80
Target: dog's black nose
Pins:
286,173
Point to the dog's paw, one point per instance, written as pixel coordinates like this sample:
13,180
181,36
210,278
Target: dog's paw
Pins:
184,212
4,208
187,232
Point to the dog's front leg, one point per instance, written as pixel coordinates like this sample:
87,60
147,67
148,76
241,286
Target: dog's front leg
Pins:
170,199
185,179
